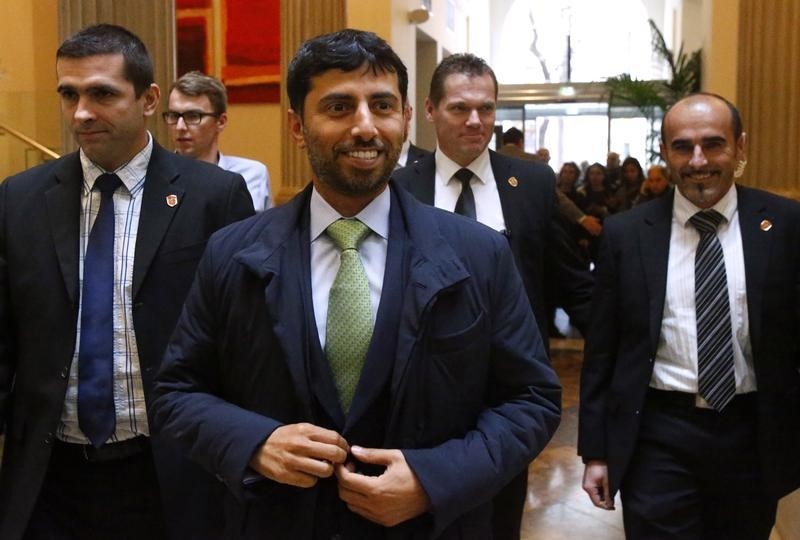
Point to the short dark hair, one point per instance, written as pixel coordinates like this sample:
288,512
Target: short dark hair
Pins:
112,39
463,63
513,136
736,117
347,50
196,84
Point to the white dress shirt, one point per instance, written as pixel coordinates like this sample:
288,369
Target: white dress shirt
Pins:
255,175
129,404
325,256
484,188
675,365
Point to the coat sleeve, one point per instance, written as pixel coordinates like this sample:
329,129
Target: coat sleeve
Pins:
600,352
240,203
217,434
7,357
522,409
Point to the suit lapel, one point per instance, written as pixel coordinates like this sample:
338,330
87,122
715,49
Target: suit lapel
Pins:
156,214
654,238
756,246
503,175
63,211
423,185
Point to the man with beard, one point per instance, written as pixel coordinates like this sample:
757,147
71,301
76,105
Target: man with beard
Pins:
690,392
355,364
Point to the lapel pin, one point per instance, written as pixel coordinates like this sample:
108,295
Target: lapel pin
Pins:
765,225
513,182
172,200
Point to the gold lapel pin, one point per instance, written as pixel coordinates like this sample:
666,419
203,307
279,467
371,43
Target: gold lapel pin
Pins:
765,225
172,200
513,182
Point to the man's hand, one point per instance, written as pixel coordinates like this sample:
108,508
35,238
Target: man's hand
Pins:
591,224
595,483
388,499
299,454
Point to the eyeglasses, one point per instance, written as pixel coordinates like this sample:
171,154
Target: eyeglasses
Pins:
190,118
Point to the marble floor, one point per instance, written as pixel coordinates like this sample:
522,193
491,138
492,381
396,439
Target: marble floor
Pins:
557,508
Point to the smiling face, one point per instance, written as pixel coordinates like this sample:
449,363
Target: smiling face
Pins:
464,117
700,149
353,127
102,109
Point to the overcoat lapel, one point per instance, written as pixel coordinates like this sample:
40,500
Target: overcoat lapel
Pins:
156,214
275,257
63,212
378,363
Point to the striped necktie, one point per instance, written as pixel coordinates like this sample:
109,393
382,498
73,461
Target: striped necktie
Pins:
715,376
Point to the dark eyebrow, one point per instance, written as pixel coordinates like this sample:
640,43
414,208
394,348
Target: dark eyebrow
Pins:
384,95
705,140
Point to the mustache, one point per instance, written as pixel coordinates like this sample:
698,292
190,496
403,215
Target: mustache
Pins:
367,145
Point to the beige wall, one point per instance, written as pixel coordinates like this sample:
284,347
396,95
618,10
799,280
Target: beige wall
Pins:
720,47
254,131
28,101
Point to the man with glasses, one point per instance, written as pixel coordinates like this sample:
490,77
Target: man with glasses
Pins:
197,114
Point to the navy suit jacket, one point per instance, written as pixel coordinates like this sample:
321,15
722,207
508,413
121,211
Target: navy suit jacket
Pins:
39,298
455,369
549,265
627,309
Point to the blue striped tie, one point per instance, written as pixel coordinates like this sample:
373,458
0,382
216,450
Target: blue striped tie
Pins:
715,377
96,415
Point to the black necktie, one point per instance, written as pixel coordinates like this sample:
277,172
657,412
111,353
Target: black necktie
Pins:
96,416
715,377
465,205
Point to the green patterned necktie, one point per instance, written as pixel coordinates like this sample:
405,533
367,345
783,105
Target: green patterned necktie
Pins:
349,325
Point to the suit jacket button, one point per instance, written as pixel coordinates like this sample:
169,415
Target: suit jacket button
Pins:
48,440
64,372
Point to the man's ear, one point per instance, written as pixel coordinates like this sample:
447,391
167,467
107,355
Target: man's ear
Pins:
429,107
151,97
222,121
407,111
741,147
296,128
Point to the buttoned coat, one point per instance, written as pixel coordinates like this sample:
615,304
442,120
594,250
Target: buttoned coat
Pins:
455,376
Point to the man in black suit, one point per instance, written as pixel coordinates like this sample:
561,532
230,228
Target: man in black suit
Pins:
97,252
690,391
510,195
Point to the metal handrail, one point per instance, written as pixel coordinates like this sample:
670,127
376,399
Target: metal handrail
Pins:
27,140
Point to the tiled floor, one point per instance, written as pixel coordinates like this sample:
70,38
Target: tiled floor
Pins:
557,508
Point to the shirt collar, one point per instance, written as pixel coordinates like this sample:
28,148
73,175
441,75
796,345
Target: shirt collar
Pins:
375,215
131,173
481,166
683,208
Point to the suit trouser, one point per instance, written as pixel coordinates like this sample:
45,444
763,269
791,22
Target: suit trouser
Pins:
109,493
695,473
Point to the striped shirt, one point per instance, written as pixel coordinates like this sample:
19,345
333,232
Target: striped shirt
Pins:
128,391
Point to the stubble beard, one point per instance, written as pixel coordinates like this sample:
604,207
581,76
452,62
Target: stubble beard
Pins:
359,182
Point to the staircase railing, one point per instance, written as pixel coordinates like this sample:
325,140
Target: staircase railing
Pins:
30,142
